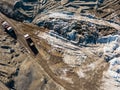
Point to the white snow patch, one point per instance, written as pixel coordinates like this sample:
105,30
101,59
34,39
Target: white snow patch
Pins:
112,50
114,69
109,48
55,42
60,15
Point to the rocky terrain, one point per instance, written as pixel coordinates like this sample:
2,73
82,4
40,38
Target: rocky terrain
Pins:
78,44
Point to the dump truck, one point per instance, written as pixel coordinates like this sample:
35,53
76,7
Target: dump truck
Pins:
9,29
31,44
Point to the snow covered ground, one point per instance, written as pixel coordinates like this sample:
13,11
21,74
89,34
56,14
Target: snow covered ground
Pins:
111,52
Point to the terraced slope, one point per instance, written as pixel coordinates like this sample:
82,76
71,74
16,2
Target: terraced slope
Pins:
109,10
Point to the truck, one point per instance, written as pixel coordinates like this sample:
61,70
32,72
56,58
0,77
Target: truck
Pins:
9,29
31,44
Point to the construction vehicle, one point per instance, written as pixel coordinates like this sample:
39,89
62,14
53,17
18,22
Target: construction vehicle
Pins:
31,44
9,29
